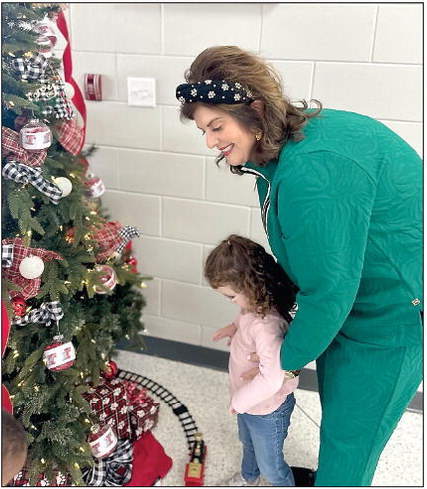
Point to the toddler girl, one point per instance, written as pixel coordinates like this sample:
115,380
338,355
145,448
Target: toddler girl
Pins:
248,276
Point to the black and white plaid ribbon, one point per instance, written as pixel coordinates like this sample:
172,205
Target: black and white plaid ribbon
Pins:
48,312
46,92
59,105
30,68
6,255
20,173
115,470
127,233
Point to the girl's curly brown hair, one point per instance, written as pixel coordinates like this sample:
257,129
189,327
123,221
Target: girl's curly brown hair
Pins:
281,120
246,267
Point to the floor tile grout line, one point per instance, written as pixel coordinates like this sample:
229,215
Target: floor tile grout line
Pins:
308,416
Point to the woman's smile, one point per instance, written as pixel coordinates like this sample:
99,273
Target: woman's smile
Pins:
226,150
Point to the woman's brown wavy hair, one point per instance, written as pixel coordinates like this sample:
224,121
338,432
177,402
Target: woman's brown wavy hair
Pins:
247,268
281,120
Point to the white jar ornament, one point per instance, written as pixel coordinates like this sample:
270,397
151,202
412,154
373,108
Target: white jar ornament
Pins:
31,267
109,279
64,185
95,187
102,440
59,355
35,136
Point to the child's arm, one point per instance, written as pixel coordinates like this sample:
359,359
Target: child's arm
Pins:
227,331
270,377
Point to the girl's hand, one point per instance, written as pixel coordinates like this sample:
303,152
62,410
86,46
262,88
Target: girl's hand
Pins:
233,411
253,357
226,332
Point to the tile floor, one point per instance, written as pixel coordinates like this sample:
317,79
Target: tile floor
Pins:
205,393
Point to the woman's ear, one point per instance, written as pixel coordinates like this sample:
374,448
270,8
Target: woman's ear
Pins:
258,105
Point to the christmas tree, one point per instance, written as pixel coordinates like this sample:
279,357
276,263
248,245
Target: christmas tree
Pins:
69,282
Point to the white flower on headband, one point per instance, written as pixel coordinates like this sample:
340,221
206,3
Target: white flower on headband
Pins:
208,82
182,100
211,94
237,96
225,87
237,84
194,92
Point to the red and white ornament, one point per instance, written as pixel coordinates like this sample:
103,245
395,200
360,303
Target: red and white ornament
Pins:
102,440
111,371
108,280
59,355
64,185
19,306
31,267
35,136
95,187
45,46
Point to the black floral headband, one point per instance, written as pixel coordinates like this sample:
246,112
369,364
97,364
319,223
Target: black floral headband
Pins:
213,92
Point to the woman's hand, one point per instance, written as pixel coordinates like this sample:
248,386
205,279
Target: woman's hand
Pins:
226,332
253,372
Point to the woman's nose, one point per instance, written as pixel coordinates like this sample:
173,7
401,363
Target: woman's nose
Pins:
211,141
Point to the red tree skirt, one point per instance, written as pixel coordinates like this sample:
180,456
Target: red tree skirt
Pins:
150,461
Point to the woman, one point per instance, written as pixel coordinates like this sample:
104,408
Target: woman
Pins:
341,203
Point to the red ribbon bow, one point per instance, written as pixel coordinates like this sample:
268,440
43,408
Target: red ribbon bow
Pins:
10,146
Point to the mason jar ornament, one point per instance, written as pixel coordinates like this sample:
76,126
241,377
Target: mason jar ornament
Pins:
59,355
102,440
94,186
108,280
35,135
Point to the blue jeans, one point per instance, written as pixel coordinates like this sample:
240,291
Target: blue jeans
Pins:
263,436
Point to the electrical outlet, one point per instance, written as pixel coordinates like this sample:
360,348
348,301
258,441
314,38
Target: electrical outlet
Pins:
142,92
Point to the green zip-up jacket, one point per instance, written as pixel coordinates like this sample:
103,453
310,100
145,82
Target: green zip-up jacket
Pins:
343,214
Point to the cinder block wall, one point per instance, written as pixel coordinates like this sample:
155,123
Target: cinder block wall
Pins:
160,175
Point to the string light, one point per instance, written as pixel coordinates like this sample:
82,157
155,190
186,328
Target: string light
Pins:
43,461
82,449
87,421
93,341
16,354
21,383
76,465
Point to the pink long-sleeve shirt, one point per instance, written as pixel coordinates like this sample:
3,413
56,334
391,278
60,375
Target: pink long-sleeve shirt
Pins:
268,390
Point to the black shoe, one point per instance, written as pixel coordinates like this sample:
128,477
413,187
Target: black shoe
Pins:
303,477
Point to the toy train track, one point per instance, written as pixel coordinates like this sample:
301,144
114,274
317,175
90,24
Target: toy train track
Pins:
179,409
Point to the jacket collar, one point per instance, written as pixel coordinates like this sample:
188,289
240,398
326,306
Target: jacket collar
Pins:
267,172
